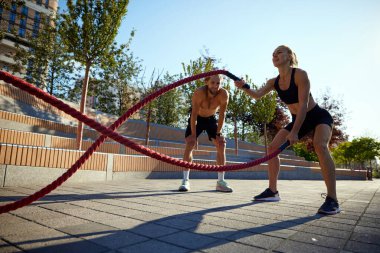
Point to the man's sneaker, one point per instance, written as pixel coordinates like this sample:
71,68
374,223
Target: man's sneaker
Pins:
185,186
222,186
267,195
329,207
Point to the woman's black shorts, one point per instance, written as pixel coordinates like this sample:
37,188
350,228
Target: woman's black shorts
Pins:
314,117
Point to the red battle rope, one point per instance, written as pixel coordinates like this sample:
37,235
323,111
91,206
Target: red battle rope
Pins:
109,132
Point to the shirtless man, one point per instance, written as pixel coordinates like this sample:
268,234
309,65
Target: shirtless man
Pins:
206,101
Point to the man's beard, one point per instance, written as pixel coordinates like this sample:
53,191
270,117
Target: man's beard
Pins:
214,92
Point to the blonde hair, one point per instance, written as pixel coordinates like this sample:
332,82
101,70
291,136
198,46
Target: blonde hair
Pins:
293,56
209,77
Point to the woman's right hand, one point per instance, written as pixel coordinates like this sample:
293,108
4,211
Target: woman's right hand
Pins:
240,83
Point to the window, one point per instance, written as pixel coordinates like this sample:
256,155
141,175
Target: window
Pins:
39,2
23,21
36,25
1,12
47,4
12,18
21,31
24,11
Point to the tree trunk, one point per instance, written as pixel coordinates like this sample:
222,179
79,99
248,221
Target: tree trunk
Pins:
265,139
236,137
243,132
83,105
148,125
52,78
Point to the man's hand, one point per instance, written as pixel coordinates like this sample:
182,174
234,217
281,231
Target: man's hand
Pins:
220,140
292,138
192,140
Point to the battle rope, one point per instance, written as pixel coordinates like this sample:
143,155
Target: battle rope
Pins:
109,132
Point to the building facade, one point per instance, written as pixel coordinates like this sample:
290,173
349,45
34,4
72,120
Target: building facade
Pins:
20,20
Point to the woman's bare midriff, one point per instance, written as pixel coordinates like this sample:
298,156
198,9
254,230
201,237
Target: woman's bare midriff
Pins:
293,108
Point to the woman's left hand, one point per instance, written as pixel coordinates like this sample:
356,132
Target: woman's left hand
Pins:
292,138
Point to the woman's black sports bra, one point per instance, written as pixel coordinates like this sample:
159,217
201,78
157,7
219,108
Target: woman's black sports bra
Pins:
289,96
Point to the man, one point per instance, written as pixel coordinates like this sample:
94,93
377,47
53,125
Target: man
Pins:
206,101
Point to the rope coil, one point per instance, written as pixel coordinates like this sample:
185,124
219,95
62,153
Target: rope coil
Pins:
110,132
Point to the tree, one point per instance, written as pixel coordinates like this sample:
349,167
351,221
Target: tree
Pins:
300,148
88,30
364,149
280,120
237,111
263,111
342,154
118,74
168,106
338,112
48,66
360,150
146,89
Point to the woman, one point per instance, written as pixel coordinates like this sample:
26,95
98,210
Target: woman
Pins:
293,87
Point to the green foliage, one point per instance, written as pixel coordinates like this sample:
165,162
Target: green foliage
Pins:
118,73
264,108
167,107
47,62
360,150
376,173
253,135
88,31
343,154
200,65
336,108
90,28
365,149
239,110
300,149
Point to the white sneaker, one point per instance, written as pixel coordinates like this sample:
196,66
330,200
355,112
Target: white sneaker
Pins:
185,186
222,186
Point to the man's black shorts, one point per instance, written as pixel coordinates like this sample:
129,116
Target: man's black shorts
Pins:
314,117
208,124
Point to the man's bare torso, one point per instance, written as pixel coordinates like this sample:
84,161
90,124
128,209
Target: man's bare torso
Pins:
208,104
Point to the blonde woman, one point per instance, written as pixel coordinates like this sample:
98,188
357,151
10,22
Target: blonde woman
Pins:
293,87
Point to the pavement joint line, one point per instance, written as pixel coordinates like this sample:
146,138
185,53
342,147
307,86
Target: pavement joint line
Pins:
354,214
357,221
79,236
129,208
11,243
153,206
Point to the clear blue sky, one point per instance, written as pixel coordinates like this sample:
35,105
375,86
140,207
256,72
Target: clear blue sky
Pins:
337,42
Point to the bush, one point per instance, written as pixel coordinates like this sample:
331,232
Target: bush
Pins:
376,173
301,150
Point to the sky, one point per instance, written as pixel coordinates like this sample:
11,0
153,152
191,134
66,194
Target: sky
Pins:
336,41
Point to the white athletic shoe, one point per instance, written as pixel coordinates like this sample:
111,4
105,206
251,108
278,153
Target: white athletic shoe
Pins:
185,186
222,186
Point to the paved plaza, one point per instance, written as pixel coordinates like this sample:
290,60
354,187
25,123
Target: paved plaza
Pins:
151,216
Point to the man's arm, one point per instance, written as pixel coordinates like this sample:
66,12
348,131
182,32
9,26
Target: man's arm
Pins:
195,105
222,111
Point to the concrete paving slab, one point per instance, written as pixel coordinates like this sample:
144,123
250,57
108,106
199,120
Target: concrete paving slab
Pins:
152,216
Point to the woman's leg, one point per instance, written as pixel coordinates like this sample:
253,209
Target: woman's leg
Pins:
322,136
274,163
